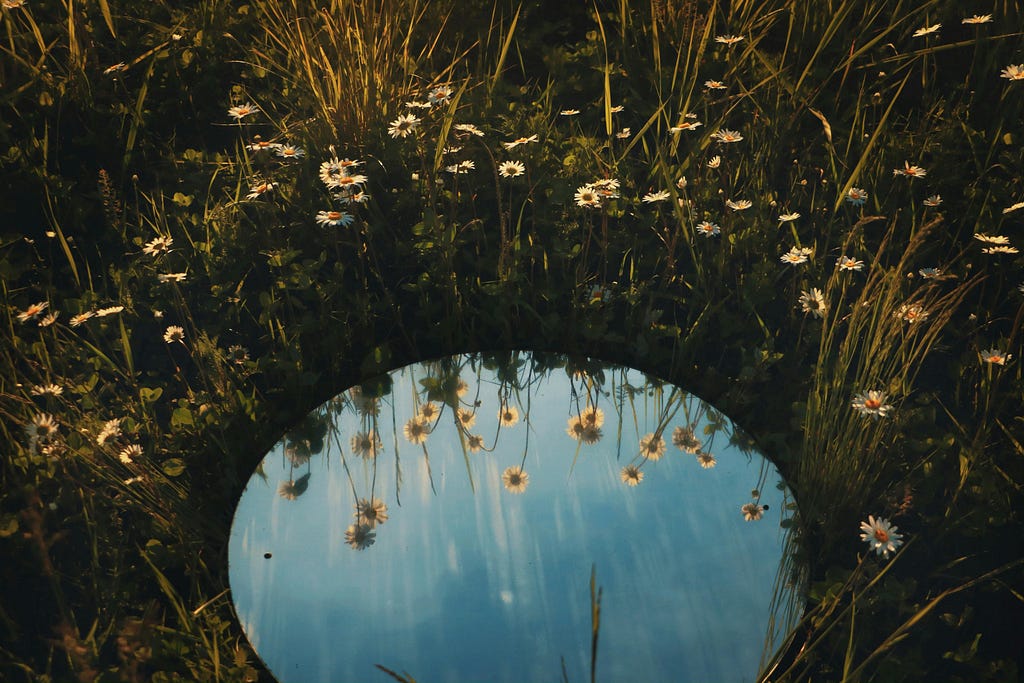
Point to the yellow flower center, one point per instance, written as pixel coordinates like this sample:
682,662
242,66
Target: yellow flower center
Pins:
872,403
881,536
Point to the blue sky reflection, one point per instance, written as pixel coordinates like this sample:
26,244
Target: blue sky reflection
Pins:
467,585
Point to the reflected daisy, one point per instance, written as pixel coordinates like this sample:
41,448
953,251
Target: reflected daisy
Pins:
752,512
575,428
880,536
515,479
871,403
508,416
631,475
416,430
366,444
429,412
403,125
371,512
706,460
813,302
591,434
652,446
995,356
592,416
475,443
685,440
466,417
360,536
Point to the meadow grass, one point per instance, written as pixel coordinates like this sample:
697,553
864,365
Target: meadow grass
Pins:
116,134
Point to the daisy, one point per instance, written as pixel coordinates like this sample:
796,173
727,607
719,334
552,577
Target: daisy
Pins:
631,475
977,19
508,416
475,443
157,246
174,333
440,94
685,125
371,512
929,273
933,201
346,182
714,85
588,197
681,183
623,134
728,40
910,171
652,446
708,229
129,453
519,141
416,430
290,152
259,189
725,135
1018,205
511,169
617,108
880,536
991,239
259,145
32,312
115,69
352,196
403,125
515,479
109,310
415,104
752,512
468,128
42,428
794,256
569,112
461,167
995,356
360,536
714,162
334,218
111,430
1014,72
706,460
13,4
684,439
871,402
999,250
238,354
813,302
48,320
652,197
787,217
740,205
240,111
366,444
171,277
927,30
77,320
856,196
849,263
606,188
912,313
47,390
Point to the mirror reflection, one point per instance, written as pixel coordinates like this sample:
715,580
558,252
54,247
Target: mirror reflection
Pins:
482,517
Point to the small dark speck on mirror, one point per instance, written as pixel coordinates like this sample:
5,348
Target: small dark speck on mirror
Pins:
267,556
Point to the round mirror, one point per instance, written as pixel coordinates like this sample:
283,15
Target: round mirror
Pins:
513,517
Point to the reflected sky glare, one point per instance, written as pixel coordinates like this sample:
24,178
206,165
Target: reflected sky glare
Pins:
468,581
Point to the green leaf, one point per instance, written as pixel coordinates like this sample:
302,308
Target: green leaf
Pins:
181,416
149,395
8,525
173,467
